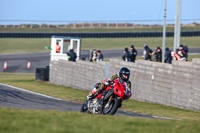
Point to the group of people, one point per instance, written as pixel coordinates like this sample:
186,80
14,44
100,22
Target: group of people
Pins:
96,55
71,54
129,56
151,55
180,54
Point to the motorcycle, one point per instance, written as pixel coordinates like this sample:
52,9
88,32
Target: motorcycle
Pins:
177,56
112,96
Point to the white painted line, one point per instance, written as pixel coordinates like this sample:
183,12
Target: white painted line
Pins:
157,117
30,92
167,118
162,117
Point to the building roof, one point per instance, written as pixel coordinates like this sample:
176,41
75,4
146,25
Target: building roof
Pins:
66,37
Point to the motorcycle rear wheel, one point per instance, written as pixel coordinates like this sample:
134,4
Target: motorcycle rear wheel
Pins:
114,105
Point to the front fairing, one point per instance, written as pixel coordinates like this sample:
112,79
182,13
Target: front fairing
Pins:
121,89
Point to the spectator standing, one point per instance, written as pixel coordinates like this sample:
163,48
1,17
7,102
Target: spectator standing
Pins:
153,56
57,48
99,55
147,53
178,54
91,54
157,55
133,53
126,56
181,52
168,56
72,55
186,49
94,56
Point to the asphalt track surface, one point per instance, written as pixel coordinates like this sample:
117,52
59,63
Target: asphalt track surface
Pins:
14,97
18,98
17,63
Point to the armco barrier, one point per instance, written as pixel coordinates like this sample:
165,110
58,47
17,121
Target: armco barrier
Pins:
98,35
175,84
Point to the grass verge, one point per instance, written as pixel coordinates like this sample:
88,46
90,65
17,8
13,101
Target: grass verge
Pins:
33,121
45,121
24,45
191,56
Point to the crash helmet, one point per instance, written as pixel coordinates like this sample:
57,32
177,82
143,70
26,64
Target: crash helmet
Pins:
124,74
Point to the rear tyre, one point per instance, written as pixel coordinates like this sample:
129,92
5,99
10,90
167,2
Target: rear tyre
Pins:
111,110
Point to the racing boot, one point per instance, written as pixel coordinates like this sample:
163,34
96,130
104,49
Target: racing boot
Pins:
97,88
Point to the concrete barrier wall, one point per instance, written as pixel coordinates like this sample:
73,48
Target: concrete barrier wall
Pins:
82,75
174,85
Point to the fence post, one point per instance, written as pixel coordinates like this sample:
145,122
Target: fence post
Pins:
100,25
91,24
31,26
40,24
48,24
23,24
191,22
142,24
150,23
5,25
14,24
65,24
56,24
82,24
74,25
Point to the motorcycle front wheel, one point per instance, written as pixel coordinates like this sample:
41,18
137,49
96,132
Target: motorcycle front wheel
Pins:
84,107
112,108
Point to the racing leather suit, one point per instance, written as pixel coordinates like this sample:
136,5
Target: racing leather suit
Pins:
101,86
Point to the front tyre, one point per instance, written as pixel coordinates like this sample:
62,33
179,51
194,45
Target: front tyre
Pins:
84,107
112,108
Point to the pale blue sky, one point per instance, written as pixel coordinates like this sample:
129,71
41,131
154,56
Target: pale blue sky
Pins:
96,10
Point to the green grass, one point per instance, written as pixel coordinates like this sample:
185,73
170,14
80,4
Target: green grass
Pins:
19,45
121,43
46,121
190,57
39,121
25,45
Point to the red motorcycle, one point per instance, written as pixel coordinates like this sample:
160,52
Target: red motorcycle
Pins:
112,96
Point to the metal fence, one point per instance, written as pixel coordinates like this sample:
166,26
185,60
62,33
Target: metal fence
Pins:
94,24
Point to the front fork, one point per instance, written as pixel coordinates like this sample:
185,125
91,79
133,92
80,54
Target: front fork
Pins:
108,103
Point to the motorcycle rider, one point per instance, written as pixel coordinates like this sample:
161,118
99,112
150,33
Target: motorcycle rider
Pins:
124,75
